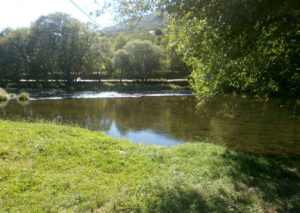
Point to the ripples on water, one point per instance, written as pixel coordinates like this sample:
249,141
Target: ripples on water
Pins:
169,119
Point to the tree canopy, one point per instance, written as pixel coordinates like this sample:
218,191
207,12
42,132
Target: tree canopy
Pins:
59,48
247,46
55,47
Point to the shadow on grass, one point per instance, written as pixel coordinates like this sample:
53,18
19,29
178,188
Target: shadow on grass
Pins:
277,181
169,199
183,198
260,184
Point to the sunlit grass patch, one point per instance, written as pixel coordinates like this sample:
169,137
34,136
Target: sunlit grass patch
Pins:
53,168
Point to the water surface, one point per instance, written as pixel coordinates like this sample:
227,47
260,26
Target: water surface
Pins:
240,124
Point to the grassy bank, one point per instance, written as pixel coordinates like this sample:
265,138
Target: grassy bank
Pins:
50,168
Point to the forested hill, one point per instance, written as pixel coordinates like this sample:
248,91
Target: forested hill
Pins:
149,22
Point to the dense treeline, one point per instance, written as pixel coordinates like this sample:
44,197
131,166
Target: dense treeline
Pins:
60,48
249,46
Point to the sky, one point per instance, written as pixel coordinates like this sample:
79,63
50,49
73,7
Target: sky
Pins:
21,13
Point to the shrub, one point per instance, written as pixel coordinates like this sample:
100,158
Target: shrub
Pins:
12,95
3,95
2,91
23,96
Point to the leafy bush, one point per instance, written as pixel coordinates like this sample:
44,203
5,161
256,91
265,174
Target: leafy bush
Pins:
3,95
2,91
12,95
23,96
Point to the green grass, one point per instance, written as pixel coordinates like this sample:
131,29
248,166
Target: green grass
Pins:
52,168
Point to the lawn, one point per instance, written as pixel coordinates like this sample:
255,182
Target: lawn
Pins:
53,168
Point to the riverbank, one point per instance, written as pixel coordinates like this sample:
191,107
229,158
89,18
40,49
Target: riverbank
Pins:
52,168
107,85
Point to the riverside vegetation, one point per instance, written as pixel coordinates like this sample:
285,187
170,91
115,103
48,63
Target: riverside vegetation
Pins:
248,47
53,168
4,96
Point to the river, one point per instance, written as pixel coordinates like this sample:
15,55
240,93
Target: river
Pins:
242,124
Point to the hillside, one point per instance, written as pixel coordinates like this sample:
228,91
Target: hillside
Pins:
150,22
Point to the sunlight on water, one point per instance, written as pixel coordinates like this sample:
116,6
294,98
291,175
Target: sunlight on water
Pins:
82,95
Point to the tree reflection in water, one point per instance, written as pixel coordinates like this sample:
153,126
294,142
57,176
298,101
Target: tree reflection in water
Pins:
241,124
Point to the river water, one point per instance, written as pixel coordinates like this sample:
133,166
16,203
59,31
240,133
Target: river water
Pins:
242,124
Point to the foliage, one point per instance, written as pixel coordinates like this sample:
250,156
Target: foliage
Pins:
121,62
3,98
67,41
246,46
13,60
2,91
144,58
120,41
51,168
100,57
139,59
60,48
56,46
3,95
23,96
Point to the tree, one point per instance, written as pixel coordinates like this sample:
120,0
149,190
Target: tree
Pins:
120,41
176,64
61,46
121,62
100,57
144,58
43,50
248,46
13,58
56,46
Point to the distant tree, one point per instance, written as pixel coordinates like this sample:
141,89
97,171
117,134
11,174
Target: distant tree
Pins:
13,54
100,55
120,41
62,45
144,58
177,64
43,50
121,62
56,46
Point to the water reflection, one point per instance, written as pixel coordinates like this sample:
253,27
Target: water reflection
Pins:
241,124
